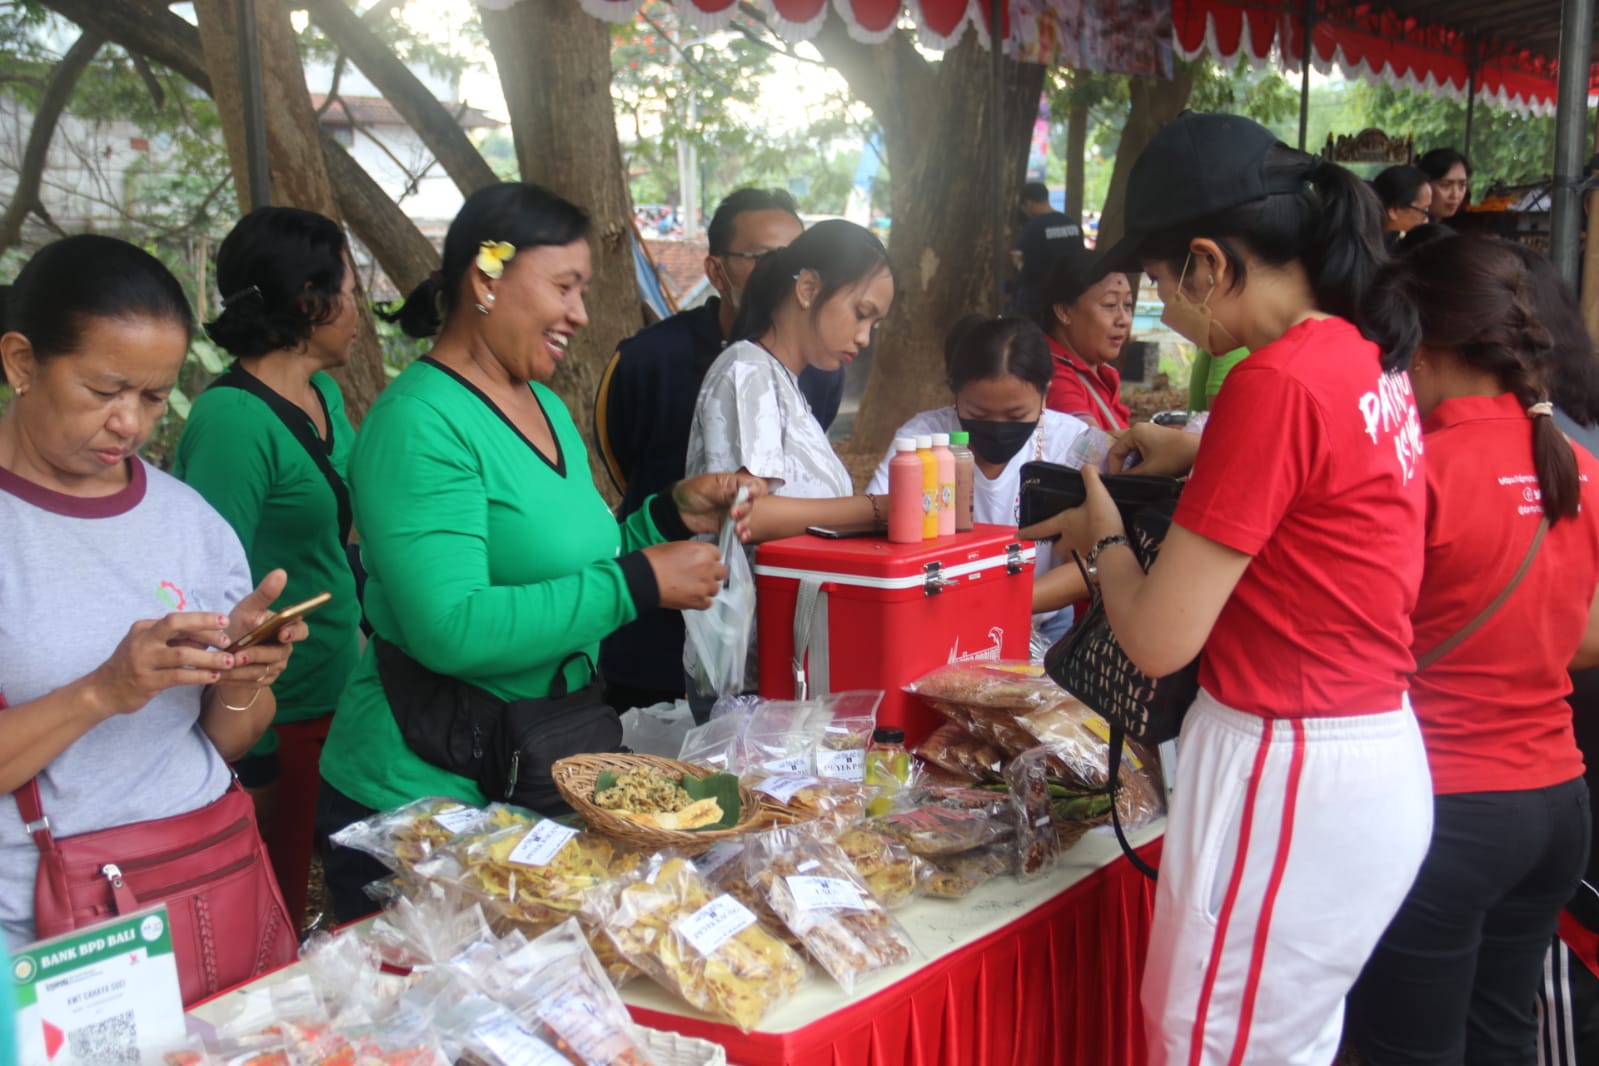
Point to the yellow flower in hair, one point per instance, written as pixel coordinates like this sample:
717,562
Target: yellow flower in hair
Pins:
492,257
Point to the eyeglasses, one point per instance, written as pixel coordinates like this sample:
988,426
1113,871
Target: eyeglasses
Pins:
754,256
1422,211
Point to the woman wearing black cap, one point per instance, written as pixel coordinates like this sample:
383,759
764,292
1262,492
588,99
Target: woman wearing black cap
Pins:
1303,805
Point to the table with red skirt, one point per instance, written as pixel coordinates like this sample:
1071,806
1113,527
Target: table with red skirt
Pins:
1015,974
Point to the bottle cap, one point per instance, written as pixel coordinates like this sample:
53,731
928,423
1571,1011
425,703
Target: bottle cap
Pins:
885,734
962,438
941,440
904,444
923,443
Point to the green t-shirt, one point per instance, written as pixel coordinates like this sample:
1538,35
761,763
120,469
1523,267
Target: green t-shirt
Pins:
484,562
239,455
1207,375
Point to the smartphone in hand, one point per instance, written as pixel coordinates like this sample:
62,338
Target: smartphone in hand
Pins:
270,628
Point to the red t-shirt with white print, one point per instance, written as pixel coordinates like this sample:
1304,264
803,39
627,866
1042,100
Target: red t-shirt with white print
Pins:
1493,710
1311,463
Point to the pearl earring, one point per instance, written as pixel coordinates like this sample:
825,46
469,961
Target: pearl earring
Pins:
488,298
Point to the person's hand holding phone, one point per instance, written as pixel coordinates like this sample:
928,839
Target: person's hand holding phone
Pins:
258,666
158,654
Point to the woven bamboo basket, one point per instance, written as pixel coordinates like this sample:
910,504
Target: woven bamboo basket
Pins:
576,777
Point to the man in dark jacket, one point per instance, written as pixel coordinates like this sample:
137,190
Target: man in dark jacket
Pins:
645,408
1046,236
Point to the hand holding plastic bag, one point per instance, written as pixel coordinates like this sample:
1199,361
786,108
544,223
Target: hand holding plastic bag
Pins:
719,637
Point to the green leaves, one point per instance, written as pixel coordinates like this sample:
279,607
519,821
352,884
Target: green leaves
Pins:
723,788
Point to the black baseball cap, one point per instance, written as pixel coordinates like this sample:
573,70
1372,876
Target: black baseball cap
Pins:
1197,165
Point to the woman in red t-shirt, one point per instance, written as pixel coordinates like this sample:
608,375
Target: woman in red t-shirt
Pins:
1087,316
1302,804
1507,594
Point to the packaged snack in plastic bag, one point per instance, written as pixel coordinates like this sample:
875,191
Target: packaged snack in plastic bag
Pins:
933,830
482,1032
992,803
1077,738
847,735
814,888
803,797
827,737
714,744
951,748
887,866
1037,844
1140,788
405,836
955,876
718,638
557,987
707,948
985,699
427,929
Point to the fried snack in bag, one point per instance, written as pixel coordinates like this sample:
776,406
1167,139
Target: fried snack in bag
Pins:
953,749
955,876
986,699
1037,843
887,866
805,797
813,887
407,835
532,878
932,830
723,870
557,988
708,948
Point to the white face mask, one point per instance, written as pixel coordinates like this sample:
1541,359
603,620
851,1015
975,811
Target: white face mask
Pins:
1193,320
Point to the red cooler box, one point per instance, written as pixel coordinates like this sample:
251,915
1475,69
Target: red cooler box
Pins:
870,614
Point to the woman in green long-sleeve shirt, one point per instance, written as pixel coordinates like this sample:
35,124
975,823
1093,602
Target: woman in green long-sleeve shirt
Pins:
491,557
267,446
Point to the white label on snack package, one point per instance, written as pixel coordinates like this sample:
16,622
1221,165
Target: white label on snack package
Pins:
848,764
542,843
715,923
783,787
575,1019
824,894
457,819
808,864
515,1046
796,765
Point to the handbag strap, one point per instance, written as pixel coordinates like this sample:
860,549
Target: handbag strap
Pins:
1487,612
299,426
31,807
1111,424
1118,738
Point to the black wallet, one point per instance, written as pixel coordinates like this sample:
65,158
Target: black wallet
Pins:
1049,488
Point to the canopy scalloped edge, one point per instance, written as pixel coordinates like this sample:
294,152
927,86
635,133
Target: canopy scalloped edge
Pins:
1492,88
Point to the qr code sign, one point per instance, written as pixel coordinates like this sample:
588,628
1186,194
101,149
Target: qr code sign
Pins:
112,1042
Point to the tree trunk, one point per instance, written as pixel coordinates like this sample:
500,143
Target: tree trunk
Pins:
434,124
393,239
554,61
1076,147
299,172
1153,104
63,79
940,129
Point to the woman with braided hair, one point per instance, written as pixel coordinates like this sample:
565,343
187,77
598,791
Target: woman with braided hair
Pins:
1506,607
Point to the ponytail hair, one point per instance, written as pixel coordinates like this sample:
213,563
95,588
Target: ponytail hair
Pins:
1330,224
840,253
1474,297
280,272
518,213
1572,369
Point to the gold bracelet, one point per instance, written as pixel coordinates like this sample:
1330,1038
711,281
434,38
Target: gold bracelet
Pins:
260,688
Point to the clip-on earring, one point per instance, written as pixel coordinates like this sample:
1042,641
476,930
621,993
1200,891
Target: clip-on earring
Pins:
481,309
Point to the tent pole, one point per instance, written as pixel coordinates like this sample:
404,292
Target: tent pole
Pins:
996,61
1304,75
255,136
1571,135
1472,67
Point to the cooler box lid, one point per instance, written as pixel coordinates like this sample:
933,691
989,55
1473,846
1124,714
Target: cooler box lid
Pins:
878,563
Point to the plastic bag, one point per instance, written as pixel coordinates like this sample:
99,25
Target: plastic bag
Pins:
933,830
1037,843
955,876
714,744
428,929
557,987
951,748
827,737
719,636
986,699
815,890
405,836
804,797
887,866
707,948
657,730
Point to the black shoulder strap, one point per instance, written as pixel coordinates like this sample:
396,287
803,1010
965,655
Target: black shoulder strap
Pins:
1118,737
296,422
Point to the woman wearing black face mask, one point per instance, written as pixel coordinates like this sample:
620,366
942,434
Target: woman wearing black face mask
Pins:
999,370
